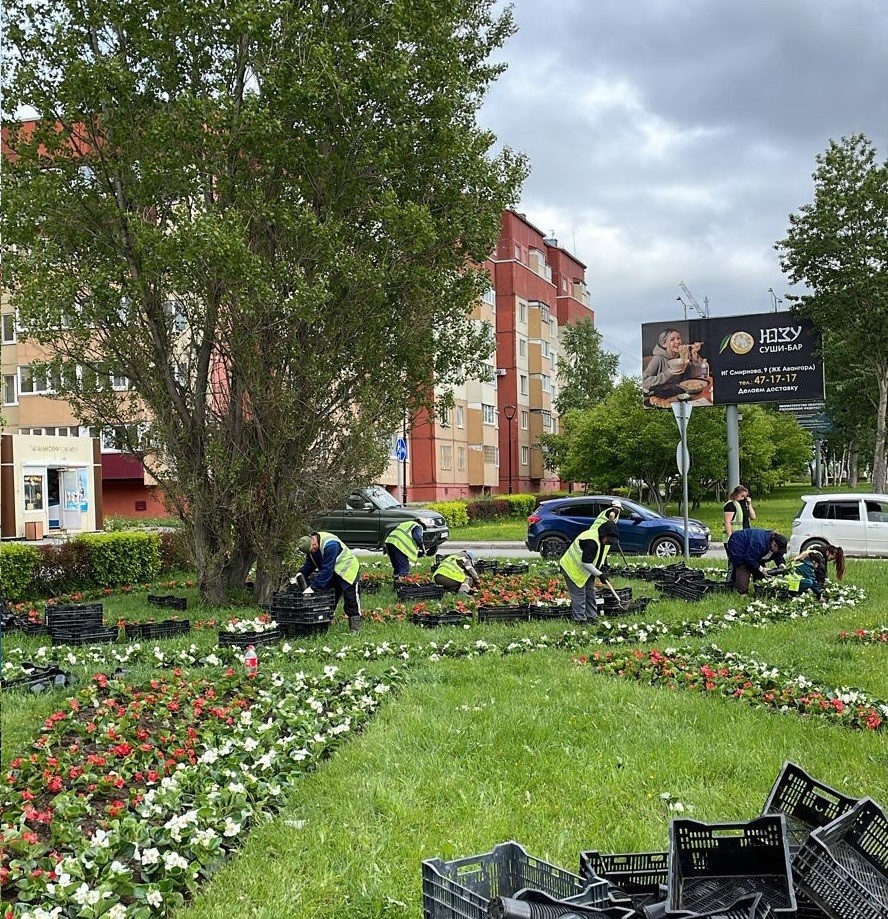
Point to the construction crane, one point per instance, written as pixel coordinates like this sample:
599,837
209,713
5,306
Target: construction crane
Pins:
702,311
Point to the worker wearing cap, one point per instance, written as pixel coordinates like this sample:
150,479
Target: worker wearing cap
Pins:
457,573
583,563
611,512
333,564
403,546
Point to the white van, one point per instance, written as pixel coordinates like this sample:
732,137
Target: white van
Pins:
856,522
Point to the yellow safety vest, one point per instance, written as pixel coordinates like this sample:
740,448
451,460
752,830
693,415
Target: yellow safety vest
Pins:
737,522
451,568
572,561
401,537
347,565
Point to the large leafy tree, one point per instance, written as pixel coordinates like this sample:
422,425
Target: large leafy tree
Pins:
838,247
265,215
586,371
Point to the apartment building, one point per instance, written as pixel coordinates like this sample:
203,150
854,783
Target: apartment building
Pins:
489,442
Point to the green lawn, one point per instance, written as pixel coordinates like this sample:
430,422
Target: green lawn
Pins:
529,746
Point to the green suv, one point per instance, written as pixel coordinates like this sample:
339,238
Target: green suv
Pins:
371,513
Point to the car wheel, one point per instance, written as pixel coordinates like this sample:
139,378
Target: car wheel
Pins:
813,544
666,547
552,546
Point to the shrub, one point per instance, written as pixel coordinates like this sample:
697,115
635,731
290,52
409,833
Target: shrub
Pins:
61,569
17,564
487,509
454,512
175,552
123,558
521,506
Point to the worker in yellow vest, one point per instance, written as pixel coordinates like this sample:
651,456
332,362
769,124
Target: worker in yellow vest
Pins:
583,563
457,573
404,545
333,564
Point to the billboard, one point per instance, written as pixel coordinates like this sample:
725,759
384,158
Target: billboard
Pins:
731,360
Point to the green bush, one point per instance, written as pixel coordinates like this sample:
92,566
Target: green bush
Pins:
123,558
521,506
454,512
17,564
487,509
61,569
175,552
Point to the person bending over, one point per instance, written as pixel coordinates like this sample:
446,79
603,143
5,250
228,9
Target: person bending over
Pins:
749,551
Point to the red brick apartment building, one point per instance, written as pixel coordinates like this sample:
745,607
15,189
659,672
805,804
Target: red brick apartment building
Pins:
487,443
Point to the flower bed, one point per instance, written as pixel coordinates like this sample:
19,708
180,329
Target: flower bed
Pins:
134,795
866,636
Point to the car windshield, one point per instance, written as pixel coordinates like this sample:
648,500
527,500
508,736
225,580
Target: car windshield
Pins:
381,497
630,507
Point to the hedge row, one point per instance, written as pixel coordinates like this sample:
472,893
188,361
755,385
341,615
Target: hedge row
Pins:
462,513
91,560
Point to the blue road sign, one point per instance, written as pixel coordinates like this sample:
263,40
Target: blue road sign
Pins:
401,449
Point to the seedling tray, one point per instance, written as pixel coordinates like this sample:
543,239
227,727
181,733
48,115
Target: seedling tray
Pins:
151,631
168,601
463,889
713,865
806,803
433,620
242,639
304,629
503,614
553,611
95,636
843,866
419,591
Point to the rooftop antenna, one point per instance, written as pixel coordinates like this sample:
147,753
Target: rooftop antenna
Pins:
691,301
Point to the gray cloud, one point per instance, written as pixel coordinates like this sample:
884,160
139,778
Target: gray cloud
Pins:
670,139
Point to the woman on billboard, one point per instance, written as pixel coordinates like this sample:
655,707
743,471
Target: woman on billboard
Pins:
674,369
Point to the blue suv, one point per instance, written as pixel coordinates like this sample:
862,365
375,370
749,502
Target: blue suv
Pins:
554,525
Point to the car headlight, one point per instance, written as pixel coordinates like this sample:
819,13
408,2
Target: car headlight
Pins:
698,530
428,521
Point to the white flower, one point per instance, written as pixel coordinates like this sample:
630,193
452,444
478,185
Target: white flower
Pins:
173,860
100,839
231,828
150,856
118,911
118,868
208,757
154,897
236,788
250,744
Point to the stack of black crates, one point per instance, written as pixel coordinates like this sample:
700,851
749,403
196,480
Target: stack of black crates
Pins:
301,616
77,624
813,853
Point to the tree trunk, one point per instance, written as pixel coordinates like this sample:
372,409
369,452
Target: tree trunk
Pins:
853,453
879,457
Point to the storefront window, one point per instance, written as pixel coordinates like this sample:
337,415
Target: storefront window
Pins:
33,492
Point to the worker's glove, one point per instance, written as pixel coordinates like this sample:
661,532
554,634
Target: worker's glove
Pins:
307,591
299,580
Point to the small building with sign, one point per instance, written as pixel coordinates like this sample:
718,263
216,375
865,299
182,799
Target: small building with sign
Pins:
49,484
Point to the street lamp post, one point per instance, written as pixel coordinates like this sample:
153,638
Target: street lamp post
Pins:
509,414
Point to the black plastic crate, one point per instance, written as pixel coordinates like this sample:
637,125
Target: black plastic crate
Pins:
369,586
433,620
95,636
168,601
806,803
549,611
843,866
488,613
242,639
73,617
304,629
419,591
152,631
753,906
320,600
303,617
39,679
510,568
481,565
463,889
713,865
640,875
28,627
534,904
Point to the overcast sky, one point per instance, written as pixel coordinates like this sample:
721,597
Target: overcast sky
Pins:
670,139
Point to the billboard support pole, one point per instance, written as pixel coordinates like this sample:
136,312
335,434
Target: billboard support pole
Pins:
732,435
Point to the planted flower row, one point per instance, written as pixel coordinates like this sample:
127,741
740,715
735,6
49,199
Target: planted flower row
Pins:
133,796
866,636
729,675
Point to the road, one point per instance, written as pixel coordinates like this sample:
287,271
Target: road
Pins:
518,550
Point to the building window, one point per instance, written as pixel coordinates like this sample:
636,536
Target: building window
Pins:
522,311
33,492
491,455
525,420
488,413
460,459
489,296
564,284
8,328
522,347
525,456
547,383
522,384
460,416
34,382
517,253
10,391
444,416
446,452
